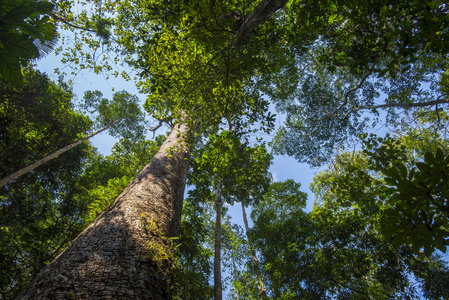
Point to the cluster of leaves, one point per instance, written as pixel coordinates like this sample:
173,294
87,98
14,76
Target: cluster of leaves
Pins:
185,57
329,109
34,117
224,160
417,203
25,29
317,120
123,107
354,53
189,64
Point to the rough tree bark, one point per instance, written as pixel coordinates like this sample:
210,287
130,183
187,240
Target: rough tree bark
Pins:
55,154
262,291
218,292
126,252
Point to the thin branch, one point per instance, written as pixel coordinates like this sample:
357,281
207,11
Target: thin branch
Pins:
55,154
156,127
389,105
404,105
355,88
59,19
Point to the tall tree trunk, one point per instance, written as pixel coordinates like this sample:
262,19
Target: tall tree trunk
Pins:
126,253
123,253
235,272
262,291
217,257
55,154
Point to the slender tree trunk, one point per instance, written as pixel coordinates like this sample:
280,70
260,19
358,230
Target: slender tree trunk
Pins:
262,291
235,275
126,253
217,257
55,154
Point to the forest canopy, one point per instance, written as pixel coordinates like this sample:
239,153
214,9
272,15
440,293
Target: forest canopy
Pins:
235,83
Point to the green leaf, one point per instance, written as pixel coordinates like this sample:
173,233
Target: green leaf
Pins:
19,46
439,156
430,159
10,68
423,167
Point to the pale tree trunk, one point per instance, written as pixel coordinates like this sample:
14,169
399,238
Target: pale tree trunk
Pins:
55,154
235,275
217,256
262,291
126,253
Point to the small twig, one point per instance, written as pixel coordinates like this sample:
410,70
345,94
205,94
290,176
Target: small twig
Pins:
59,19
355,88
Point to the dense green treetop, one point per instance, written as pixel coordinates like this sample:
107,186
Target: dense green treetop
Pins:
40,212
123,106
37,119
324,64
239,169
329,109
404,178
336,251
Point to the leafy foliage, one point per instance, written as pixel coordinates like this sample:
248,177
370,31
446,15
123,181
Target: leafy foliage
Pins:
34,119
123,106
329,109
24,25
240,169
39,212
280,227
336,251
417,204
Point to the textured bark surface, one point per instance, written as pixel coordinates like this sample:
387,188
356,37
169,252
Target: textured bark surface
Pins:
120,255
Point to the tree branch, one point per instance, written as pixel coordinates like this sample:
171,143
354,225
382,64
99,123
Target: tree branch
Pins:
355,88
389,105
59,19
404,105
261,13
55,154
